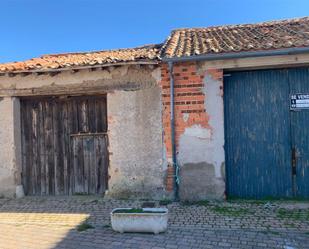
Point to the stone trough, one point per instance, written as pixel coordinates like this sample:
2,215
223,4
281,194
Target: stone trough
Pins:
145,220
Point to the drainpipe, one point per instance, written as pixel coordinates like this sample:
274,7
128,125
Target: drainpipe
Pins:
172,120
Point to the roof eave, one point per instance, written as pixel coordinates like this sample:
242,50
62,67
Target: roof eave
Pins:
146,62
237,55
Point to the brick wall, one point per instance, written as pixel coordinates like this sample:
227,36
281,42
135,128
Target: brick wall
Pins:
189,103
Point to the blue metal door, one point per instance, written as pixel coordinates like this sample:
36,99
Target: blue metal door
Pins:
299,84
266,138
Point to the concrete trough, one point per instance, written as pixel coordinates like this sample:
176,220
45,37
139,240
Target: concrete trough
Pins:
147,220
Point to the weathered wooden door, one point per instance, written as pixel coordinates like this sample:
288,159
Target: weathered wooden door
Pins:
64,145
299,85
266,141
89,161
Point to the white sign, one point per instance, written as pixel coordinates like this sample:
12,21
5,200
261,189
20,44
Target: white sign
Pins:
299,101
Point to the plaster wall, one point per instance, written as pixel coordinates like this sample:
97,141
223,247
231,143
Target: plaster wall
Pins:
10,146
85,81
201,153
137,164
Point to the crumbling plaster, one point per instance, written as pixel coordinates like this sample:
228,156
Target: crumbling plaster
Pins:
201,149
85,81
137,163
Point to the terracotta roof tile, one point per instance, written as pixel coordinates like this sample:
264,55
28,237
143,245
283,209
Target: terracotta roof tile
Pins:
73,60
237,38
291,33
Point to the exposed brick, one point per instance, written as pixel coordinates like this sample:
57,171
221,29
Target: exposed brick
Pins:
189,99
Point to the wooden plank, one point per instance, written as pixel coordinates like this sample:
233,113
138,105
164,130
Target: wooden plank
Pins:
101,163
49,148
47,128
105,163
280,61
99,115
74,116
41,143
69,147
98,164
95,168
92,116
32,165
86,162
65,149
36,150
55,120
88,149
58,147
78,165
83,116
60,124
91,165
104,114
30,159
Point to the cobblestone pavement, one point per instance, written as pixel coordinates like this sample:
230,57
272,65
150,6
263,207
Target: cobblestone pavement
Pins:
34,223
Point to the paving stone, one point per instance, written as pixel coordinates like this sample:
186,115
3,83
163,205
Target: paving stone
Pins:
40,222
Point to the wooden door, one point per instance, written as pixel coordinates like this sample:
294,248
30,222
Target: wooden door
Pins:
266,134
89,158
52,129
257,134
299,87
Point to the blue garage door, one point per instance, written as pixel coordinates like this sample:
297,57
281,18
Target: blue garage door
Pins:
267,133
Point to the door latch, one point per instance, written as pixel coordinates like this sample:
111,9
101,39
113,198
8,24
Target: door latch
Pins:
294,160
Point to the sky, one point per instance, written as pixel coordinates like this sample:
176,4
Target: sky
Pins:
30,28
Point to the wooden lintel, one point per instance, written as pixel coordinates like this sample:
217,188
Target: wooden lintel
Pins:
54,73
74,70
12,74
111,68
40,73
25,74
98,89
252,63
